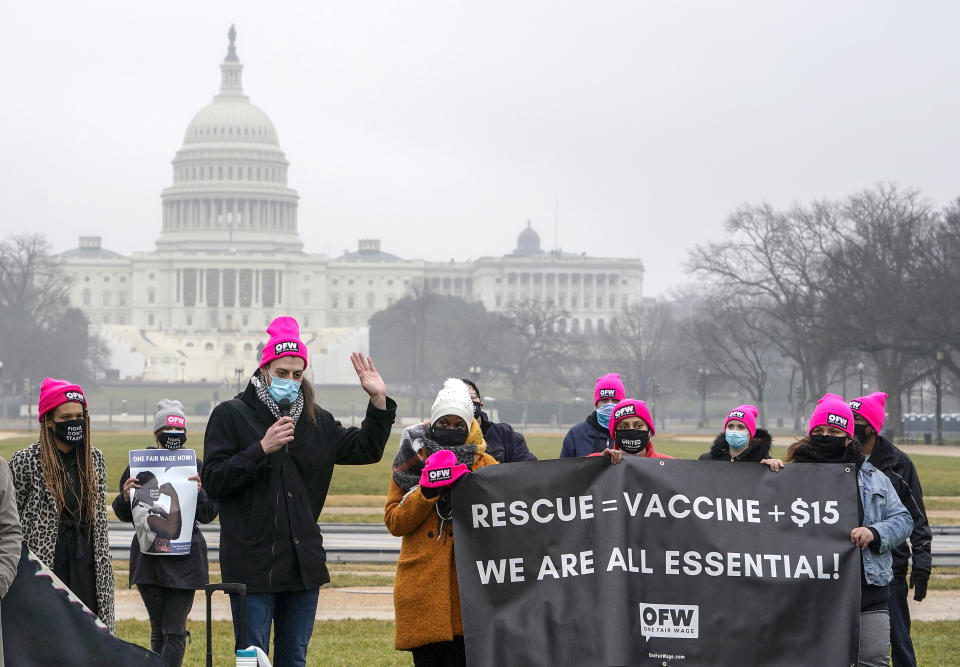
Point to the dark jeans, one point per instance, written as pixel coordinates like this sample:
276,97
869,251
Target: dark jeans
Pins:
168,609
901,647
441,654
292,615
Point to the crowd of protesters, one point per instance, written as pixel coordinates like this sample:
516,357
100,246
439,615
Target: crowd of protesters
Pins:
268,459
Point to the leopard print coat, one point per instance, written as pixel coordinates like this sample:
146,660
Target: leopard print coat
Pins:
40,519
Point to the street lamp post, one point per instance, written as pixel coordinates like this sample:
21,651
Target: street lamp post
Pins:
939,399
239,371
860,369
703,397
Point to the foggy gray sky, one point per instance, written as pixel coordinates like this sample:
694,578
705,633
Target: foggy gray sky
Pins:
441,127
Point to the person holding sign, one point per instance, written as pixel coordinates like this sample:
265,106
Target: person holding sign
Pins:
61,483
591,435
431,458
269,456
869,415
741,439
166,583
631,430
884,521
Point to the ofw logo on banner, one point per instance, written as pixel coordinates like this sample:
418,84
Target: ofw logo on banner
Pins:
669,620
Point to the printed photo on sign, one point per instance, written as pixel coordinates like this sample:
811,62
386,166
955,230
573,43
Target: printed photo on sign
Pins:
165,504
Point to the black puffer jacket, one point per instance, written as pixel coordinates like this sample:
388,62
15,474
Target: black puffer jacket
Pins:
757,449
269,505
896,465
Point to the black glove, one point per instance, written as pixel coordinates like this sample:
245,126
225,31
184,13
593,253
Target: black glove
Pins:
431,491
918,581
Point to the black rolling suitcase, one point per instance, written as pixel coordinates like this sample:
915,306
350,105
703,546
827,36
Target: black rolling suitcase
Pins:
232,589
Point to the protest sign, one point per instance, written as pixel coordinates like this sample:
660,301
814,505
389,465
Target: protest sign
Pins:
658,562
164,506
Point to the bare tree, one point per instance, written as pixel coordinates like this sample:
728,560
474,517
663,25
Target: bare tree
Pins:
878,259
729,346
39,334
537,347
639,344
776,259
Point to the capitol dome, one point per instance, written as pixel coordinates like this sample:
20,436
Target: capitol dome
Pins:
229,189
528,242
230,120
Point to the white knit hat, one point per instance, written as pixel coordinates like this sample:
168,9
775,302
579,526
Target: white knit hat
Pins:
453,399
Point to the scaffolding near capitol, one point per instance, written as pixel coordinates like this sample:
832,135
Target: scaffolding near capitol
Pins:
229,259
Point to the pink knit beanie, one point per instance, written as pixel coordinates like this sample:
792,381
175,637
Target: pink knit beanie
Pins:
871,408
832,410
57,392
609,386
745,413
630,407
284,341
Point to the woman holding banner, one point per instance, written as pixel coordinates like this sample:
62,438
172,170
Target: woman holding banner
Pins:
61,483
631,431
430,459
883,521
741,439
166,583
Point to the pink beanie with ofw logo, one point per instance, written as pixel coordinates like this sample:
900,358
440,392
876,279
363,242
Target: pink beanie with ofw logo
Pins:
871,408
57,392
630,407
832,410
745,413
284,341
609,386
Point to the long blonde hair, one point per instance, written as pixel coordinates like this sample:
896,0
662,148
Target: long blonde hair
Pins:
54,474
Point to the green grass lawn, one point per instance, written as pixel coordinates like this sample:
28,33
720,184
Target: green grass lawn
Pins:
940,475
370,643
351,642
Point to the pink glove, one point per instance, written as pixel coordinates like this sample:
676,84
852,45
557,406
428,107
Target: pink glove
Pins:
441,469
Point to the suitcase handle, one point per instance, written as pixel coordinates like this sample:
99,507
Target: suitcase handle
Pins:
230,589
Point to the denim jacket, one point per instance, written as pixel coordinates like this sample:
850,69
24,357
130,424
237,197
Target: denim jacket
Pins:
882,511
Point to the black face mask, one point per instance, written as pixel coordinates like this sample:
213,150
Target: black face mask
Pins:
477,407
448,437
860,431
632,440
69,432
173,440
831,446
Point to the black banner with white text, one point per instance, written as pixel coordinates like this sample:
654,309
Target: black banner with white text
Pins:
658,562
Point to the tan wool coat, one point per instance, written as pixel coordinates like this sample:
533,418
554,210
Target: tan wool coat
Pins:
426,596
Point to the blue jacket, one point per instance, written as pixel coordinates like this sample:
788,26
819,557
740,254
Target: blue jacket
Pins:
585,438
503,443
884,513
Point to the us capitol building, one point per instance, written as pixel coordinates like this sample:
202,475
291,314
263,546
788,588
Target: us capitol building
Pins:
229,259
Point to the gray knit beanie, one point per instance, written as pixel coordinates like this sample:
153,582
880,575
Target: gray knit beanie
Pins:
169,415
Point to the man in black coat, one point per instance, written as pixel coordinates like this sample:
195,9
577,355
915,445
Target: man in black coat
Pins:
268,459
868,417
503,443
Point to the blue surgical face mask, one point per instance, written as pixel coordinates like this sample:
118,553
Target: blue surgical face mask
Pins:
737,439
283,388
604,412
